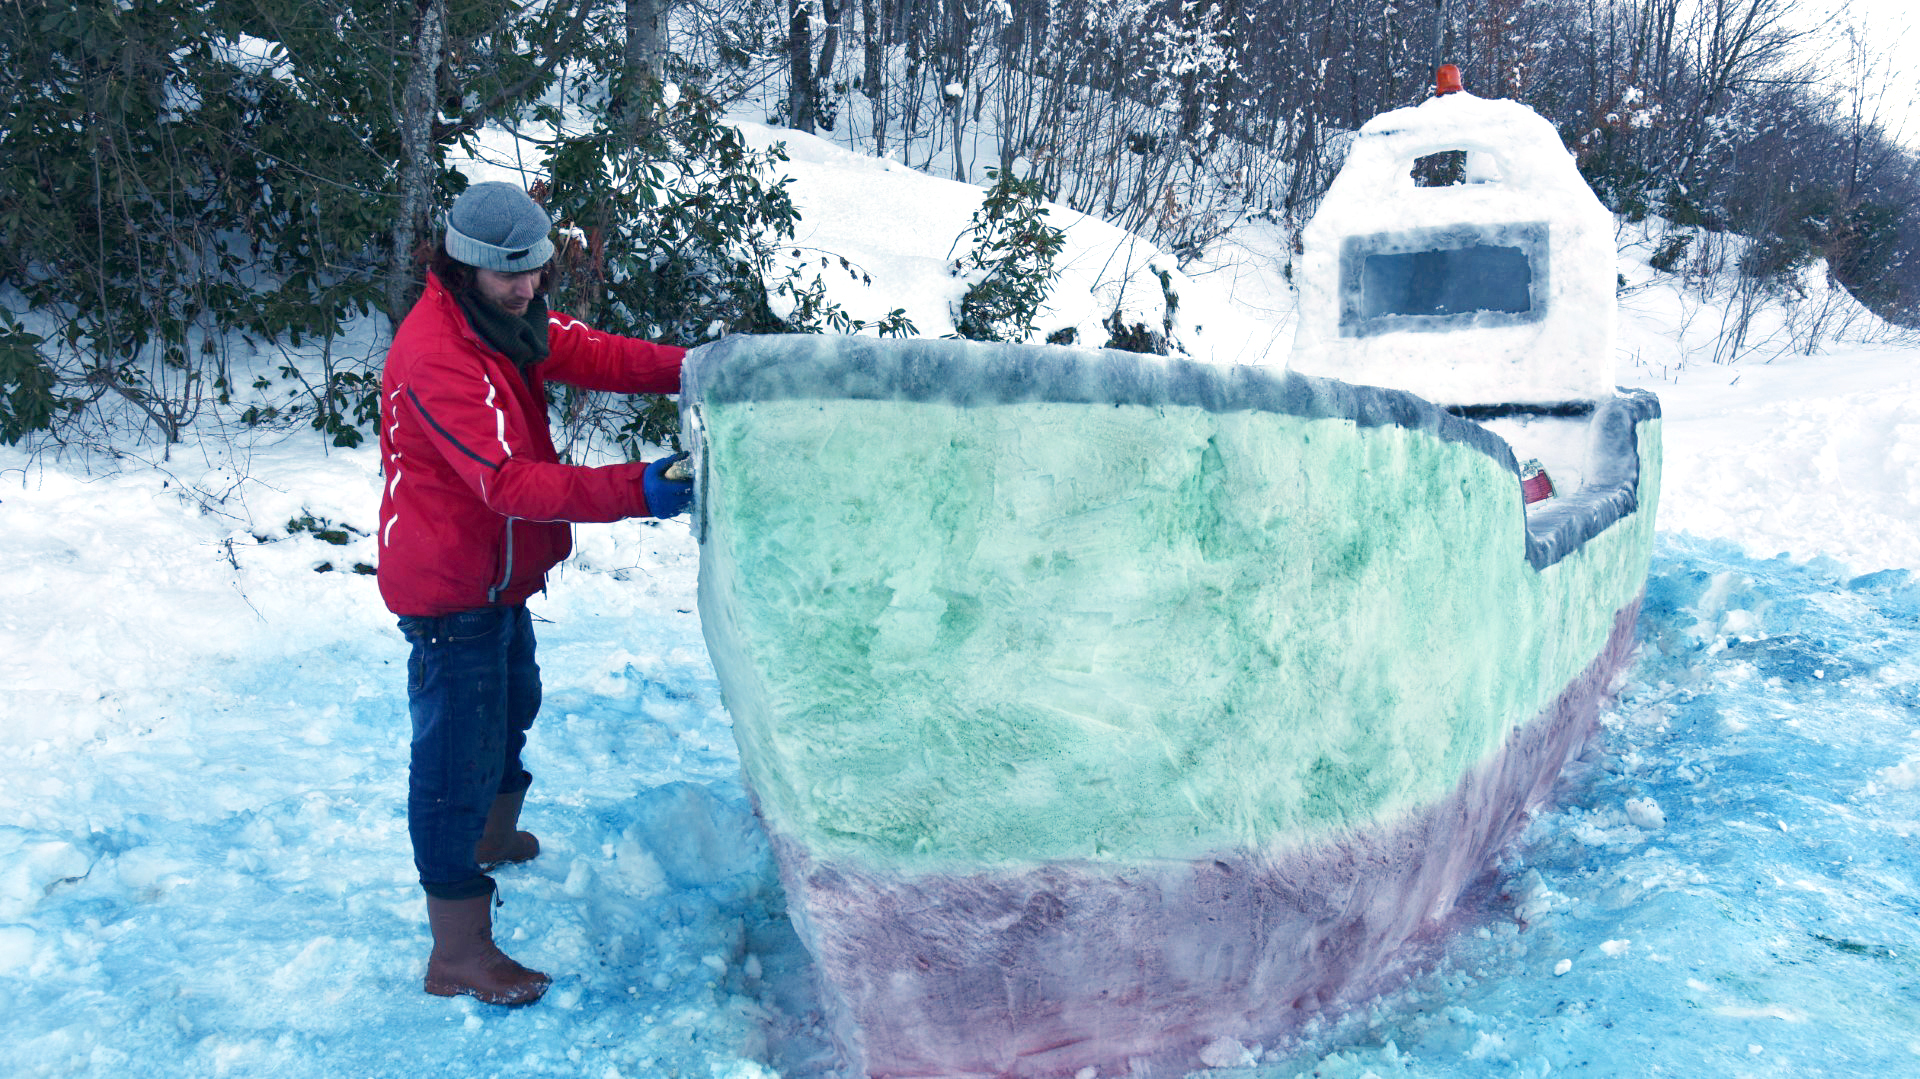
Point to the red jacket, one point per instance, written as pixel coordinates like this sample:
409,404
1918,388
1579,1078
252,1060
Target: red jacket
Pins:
476,502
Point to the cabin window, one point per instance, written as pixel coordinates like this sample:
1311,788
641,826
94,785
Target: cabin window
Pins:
1445,279
1444,169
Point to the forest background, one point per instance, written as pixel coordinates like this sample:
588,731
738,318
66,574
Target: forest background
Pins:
182,179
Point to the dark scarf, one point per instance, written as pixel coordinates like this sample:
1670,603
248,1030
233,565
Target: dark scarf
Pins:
521,338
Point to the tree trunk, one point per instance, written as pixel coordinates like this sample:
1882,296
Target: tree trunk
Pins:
647,38
1230,81
823,69
874,47
872,79
417,165
800,65
959,34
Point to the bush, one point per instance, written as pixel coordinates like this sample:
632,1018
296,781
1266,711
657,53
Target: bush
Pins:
1680,207
165,187
1862,248
1618,181
673,226
29,386
1774,259
1671,250
1009,259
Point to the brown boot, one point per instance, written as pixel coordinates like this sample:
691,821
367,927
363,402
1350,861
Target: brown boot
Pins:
465,959
502,841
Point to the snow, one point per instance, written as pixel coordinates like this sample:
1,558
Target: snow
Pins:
203,858
1773,910
901,242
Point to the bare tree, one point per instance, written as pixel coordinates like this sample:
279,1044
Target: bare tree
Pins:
800,82
1734,45
807,76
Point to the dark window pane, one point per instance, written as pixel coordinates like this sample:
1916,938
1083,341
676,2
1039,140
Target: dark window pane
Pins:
1447,282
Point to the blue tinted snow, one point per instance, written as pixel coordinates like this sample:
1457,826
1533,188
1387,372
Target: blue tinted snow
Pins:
239,901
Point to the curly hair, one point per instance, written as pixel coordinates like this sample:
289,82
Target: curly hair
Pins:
457,276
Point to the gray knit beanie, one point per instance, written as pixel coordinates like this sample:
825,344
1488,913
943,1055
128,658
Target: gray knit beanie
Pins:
497,226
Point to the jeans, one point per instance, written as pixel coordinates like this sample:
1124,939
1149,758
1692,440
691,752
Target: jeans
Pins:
473,690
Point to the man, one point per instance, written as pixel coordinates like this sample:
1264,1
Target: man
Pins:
474,513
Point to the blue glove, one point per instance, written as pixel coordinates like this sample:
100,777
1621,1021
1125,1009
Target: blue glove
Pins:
665,497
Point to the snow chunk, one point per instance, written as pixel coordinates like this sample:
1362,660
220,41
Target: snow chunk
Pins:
1488,1046
1535,899
29,870
1903,776
1225,1052
1645,813
16,949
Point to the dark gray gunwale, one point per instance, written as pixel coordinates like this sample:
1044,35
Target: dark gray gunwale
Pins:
744,368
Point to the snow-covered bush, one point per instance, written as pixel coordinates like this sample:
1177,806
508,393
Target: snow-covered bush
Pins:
1009,261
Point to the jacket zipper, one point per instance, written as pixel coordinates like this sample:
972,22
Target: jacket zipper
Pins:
526,373
506,573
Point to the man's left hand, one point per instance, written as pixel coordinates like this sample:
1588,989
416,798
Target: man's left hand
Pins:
667,497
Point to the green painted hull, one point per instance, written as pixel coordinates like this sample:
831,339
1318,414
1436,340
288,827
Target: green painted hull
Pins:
991,614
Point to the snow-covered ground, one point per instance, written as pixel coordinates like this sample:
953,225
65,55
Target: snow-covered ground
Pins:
204,866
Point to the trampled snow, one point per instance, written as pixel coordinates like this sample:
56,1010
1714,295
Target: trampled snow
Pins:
204,867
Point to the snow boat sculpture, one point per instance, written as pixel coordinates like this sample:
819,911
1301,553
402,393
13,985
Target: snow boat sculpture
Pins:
1113,712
